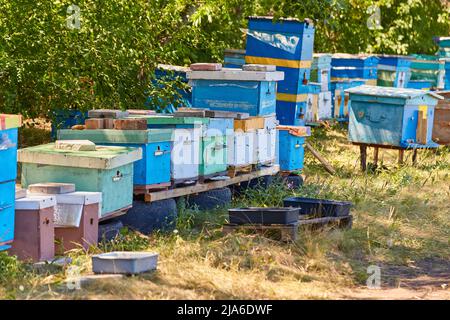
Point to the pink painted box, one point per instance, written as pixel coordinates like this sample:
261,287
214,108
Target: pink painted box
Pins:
76,220
34,229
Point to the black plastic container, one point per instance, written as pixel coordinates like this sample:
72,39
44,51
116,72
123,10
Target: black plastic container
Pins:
256,215
319,207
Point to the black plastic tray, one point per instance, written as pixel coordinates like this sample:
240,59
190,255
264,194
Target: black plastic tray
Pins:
256,215
319,207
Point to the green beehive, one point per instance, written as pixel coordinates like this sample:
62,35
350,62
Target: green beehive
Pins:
104,169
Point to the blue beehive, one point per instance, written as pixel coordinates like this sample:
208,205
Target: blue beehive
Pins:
166,72
349,66
156,144
427,67
292,109
287,44
321,70
235,90
341,105
8,174
234,58
392,116
291,150
420,84
394,71
65,119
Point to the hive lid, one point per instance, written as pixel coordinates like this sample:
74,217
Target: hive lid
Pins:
360,56
236,75
10,121
51,188
35,202
104,157
391,92
171,120
100,136
79,197
299,131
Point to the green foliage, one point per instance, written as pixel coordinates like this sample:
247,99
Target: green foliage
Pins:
108,61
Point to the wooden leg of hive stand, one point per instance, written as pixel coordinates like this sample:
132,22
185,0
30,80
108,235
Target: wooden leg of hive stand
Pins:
401,154
375,156
414,157
363,152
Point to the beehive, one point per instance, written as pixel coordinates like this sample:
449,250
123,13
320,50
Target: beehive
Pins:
253,92
108,169
394,71
8,174
156,145
392,116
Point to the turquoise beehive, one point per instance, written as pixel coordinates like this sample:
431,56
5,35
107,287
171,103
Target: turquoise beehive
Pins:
107,169
392,116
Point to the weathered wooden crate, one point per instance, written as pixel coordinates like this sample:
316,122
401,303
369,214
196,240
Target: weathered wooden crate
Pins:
156,145
235,90
392,116
441,125
108,169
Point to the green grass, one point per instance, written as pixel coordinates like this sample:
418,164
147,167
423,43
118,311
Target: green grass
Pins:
401,218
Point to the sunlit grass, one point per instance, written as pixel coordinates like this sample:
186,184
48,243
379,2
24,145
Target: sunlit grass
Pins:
401,216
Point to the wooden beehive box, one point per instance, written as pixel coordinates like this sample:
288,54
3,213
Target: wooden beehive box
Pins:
108,169
156,145
392,116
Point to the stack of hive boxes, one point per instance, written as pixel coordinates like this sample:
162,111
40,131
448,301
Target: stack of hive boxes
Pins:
8,174
251,90
394,71
105,169
444,54
287,44
427,72
53,218
348,71
234,58
319,102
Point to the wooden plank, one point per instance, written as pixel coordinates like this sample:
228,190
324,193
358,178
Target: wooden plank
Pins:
107,113
51,188
363,157
206,66
115,214
322,160
375,156
202,187
75,145
236,74
422,128
105,157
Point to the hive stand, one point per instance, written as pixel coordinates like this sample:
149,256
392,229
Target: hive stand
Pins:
401,153
209,185
289,232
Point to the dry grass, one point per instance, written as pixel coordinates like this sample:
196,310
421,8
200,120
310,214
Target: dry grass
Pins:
401,224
